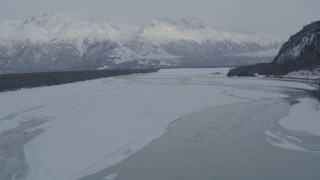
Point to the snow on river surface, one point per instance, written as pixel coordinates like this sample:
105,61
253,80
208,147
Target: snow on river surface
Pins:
89,126
303,120
304,117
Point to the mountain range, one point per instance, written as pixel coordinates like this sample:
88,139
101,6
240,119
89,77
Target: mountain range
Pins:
59,43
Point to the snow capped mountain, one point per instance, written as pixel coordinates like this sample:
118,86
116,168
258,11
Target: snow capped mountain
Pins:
53,42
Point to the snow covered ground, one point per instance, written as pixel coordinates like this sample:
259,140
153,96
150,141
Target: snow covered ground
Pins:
88,126
304,75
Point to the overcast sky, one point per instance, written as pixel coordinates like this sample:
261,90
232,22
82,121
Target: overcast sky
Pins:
280,18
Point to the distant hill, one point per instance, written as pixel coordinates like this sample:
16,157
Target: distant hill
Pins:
300,52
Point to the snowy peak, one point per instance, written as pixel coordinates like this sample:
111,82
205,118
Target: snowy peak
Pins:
192,23
185,23
192,29
47,20
57,27
166,30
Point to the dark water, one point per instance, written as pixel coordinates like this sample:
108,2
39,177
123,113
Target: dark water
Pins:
12,161
223,143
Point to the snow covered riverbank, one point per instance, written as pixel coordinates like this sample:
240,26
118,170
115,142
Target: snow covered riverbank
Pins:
91,125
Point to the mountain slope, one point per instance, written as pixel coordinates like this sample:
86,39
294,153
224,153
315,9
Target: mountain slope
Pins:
300,52
303,47
53,42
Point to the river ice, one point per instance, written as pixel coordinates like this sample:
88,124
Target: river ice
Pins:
300,128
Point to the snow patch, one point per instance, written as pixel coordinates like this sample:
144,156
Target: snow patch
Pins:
303,117
304,74
281,142
111,177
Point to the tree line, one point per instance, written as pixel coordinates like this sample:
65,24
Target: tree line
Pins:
10,82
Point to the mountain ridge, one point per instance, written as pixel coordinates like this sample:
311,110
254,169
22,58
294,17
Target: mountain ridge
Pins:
306,41
53,42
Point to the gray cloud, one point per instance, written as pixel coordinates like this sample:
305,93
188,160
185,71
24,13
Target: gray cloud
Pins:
280,18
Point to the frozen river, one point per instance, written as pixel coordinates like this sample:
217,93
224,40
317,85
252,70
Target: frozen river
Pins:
174,124
226,142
